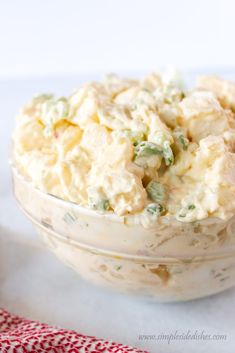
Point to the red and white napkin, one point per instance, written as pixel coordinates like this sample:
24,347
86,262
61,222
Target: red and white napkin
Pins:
18,335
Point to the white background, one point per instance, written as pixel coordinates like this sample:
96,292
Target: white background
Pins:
44,37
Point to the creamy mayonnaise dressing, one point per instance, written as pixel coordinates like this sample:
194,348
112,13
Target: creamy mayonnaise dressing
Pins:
134,147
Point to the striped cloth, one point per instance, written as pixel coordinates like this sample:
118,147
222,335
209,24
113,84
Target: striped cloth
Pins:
19,335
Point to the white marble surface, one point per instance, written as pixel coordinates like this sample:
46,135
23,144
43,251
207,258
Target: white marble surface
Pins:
35,284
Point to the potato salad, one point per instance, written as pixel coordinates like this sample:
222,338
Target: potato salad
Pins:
127,146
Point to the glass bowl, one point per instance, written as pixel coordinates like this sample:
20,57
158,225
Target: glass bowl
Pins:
169,261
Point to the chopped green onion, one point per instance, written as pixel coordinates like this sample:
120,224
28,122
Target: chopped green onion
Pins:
118,268
154,209
146,149
63,107
184,142
52,111
99,205
183,212
168,154
156,191
146,90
